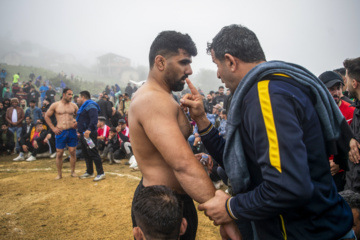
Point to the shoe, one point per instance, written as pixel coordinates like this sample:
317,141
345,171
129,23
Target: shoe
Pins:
31,158
133,165
45,154
117,161
29,154
64,155
86,175
99,177
53,155
19,158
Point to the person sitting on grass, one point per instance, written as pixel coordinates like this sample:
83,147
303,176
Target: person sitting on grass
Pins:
7,142
158,212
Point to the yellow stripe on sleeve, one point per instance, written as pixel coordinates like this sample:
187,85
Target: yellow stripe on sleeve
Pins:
266,109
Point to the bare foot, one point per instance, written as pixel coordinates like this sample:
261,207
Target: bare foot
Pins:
73,175
58,178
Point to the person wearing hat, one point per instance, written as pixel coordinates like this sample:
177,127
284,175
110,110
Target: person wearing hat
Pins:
124,138
15,116
333,81
113,145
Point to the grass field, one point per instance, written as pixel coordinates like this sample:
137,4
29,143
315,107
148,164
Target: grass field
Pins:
35,206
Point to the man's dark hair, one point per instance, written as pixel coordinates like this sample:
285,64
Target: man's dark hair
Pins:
126,94
85,94
341,71
65,90
224,112
222,87
158,212
353,68
32,101
168,43
239,42
352,198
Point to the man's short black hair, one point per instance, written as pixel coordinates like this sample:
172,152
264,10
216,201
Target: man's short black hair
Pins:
85,94
239,42
168,43
158,212
353,68
221,87
32,101
65,90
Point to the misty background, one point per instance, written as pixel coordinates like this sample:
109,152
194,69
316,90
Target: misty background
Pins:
77,37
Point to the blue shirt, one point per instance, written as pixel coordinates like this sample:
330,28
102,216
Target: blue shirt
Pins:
43,90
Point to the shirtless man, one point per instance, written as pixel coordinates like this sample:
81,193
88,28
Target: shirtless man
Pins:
159,128
65,129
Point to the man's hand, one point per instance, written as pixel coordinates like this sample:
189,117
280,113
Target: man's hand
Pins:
57,130
25,148
87,134
35,144
193,102
354,155
230,231
215,208
334,168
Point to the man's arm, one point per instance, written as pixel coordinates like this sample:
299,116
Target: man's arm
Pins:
48,114
170,142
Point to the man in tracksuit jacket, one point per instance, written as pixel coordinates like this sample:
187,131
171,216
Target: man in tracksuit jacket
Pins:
282,127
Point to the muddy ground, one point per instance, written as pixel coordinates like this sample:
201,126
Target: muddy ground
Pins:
35,206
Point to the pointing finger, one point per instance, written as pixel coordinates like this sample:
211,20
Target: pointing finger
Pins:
192,87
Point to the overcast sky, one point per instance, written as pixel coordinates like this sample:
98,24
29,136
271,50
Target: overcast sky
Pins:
318,34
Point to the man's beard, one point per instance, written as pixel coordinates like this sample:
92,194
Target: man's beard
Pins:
178,85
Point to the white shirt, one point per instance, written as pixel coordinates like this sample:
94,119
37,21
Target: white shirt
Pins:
14,117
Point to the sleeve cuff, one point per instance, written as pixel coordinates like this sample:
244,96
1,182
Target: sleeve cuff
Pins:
206,131
228,209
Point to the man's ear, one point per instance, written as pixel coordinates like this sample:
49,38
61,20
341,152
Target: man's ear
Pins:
230,62
160,62
138,234
354,83
183,226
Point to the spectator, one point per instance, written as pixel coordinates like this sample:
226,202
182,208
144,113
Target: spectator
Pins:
31,76
115,117
23,105
7,143
353,199
7,93
16,77
208,104
102,134
333,82
50,94
43,89
2,114
121,105
129,90
21,94
127,102
15,88
6,103
221,98
15,116
223,121
158,211
113,145
105,108
25,130
3,74
352,76
134,88
34,112
124,138
33,95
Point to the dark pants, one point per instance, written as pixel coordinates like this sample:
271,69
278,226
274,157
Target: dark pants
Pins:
189,213
91,155
100,145
9,147
43,147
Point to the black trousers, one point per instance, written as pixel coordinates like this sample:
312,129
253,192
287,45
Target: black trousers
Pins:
43,147
189,213
91,155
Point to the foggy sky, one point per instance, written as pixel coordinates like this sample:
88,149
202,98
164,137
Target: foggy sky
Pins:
318,34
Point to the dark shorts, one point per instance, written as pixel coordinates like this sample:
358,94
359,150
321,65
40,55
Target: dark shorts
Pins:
189,213
66,137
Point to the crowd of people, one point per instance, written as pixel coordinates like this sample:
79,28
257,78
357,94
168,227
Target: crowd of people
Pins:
283,141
